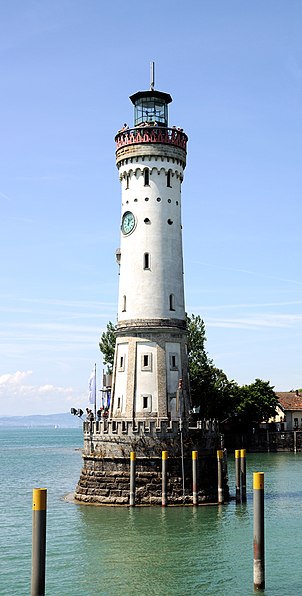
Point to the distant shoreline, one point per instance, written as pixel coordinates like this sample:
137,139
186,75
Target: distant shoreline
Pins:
61,420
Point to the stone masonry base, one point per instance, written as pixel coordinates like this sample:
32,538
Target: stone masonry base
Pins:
106,481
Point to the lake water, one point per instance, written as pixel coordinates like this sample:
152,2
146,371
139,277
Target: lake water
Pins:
95,551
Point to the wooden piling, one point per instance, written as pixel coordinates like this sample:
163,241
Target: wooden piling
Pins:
164,500
38,542
194,477
132,479
259,565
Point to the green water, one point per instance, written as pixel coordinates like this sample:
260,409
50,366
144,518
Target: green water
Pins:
110,551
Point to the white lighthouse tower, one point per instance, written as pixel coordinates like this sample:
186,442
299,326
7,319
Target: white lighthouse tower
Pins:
149,416
150,375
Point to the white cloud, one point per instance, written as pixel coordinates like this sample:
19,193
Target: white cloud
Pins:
20,398
257,321
14,379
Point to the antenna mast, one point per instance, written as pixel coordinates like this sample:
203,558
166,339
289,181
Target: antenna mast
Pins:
152,68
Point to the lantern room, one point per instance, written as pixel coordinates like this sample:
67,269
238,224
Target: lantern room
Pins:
151,108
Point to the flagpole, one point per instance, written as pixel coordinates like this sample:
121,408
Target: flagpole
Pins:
95,391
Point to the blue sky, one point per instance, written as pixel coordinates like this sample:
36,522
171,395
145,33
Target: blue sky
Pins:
234,70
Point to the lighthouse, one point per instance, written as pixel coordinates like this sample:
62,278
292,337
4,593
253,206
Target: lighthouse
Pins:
149,420
150,374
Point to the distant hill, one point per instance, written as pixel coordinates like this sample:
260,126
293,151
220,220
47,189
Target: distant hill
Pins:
64,420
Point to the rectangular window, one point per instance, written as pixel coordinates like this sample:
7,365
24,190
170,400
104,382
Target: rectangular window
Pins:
146,260
146,177
173,359
118,403
169,178
172,302
121,363
146,402
146,361
124,304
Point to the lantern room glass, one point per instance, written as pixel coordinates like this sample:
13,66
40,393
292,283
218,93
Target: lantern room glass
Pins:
150,110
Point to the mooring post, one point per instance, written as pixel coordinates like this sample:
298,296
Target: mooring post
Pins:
132,478
237,474
295,441
194,477
164,500
243,474
38,542
220,476
259,567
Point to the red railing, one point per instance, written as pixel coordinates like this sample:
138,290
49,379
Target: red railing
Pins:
151,134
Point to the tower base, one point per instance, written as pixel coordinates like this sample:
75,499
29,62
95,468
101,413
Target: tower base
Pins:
105,476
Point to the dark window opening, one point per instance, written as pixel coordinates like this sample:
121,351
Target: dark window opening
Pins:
169,178
172,302
146,260
146,177
145,401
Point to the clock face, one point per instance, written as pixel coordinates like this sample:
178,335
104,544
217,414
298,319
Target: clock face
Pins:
128,222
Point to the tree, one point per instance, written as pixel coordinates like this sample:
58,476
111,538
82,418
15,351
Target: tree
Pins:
256,402
211,390
107,346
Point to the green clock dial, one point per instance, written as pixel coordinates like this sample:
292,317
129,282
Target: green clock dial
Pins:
128,222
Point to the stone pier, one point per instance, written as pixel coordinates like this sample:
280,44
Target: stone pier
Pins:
105,476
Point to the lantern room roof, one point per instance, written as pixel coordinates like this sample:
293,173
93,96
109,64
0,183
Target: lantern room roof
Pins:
166,97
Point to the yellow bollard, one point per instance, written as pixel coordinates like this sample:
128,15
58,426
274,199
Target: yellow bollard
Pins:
132,478
164,500
194,477
243,474
38,542
220,476
259,567
237,472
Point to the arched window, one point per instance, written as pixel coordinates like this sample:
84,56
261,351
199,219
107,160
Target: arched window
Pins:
146,177
172,302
